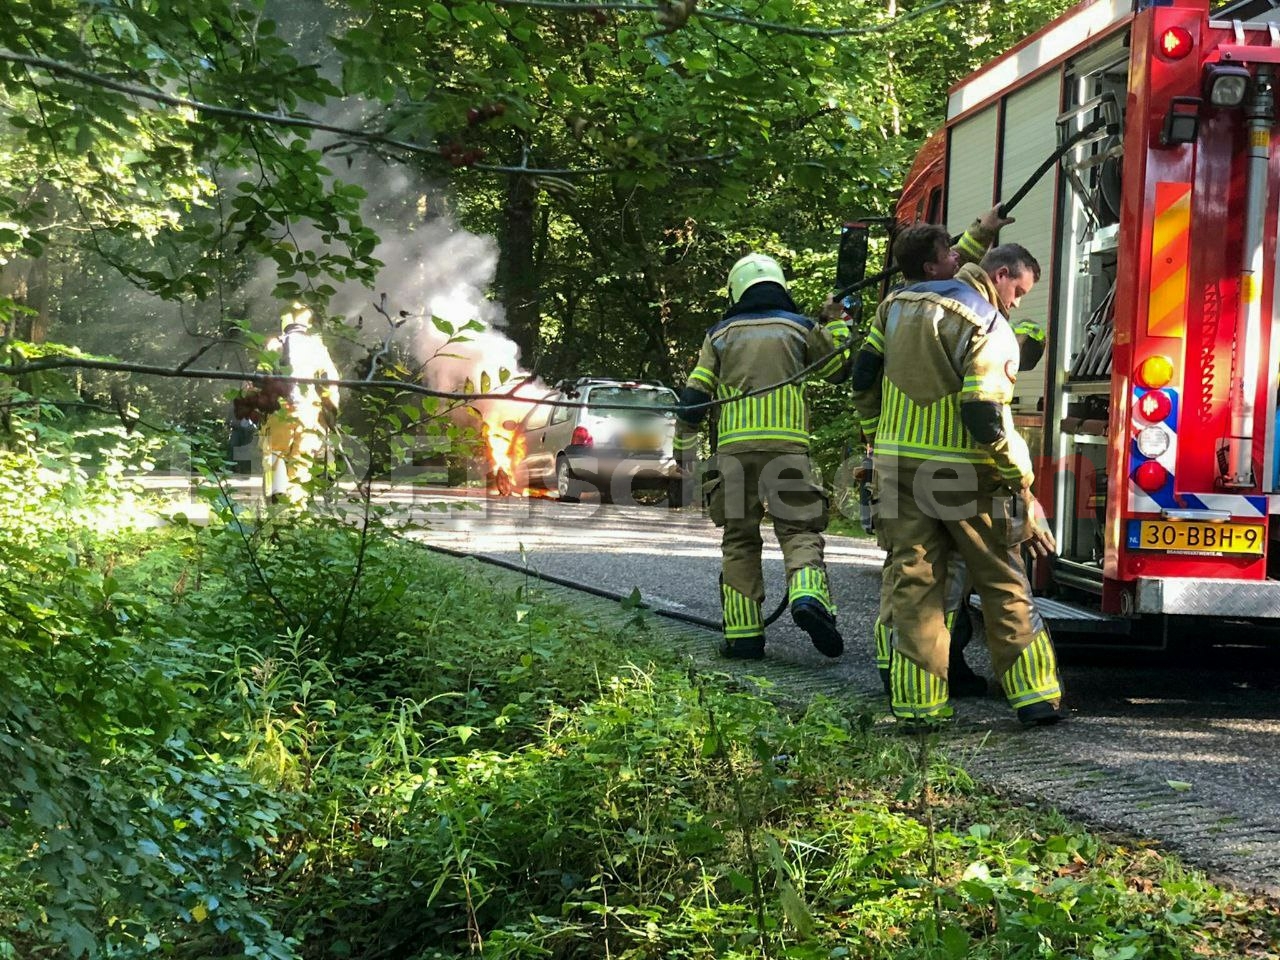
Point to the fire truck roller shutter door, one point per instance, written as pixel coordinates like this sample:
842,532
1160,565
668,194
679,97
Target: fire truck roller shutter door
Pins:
1030,131
971,170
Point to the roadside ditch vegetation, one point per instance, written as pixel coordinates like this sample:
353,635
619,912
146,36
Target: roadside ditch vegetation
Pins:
295,738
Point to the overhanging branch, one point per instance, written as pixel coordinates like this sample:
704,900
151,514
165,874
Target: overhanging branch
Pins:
66,70
767,26
191,373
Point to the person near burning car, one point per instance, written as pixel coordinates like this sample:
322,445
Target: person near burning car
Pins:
924,252
295,429
935,381
752,360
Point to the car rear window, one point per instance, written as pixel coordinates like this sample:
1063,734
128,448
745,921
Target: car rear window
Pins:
642,398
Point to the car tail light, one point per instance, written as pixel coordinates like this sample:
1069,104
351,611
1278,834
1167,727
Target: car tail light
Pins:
581,437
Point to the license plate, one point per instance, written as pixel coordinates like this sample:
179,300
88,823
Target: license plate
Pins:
641,441
1190,536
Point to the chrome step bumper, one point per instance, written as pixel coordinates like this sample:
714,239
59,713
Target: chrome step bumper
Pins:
1062,617
1209,597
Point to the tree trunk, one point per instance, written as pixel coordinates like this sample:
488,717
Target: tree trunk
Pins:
517,278
26,282
652,313
890,71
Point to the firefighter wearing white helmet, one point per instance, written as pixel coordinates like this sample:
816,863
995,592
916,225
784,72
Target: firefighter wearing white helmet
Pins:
295,432
761,450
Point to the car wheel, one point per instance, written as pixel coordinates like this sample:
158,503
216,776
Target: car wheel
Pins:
567,488
676,494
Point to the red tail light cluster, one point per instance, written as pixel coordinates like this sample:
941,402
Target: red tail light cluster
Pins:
581,437
1151,412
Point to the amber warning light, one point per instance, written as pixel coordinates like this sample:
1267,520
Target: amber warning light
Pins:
1175,43
1155,372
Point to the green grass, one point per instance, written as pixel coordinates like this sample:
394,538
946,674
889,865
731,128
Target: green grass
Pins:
843,526
456,764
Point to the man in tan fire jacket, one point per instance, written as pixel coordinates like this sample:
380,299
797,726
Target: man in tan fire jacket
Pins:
934,381
295,432
761,450
924,252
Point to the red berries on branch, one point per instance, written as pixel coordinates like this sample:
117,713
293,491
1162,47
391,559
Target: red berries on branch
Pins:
478,115
459,155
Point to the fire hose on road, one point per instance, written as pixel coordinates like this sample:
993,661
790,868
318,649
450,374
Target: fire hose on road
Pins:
697,621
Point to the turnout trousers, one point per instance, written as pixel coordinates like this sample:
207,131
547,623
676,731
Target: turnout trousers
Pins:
291,447
736,501
931,511
953,601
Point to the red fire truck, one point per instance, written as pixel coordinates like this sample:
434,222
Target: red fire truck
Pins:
1154,410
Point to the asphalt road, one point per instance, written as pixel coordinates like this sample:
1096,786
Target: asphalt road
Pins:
1182,749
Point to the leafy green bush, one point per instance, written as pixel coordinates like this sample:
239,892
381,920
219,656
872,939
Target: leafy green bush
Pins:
123,828
286,738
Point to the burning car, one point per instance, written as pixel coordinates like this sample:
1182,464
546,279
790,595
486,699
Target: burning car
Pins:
618,441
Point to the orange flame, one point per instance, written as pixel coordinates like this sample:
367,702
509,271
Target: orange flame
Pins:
500,444
503,442
506,447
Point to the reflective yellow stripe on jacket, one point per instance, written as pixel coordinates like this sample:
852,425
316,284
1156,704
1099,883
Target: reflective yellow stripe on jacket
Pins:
934,432
779,415
840,335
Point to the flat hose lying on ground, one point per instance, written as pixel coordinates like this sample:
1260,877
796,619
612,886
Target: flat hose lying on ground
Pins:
715,625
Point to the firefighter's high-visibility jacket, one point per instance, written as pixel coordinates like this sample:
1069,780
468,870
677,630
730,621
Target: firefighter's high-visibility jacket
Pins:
303,354
754,349
974,242
936,348
970,248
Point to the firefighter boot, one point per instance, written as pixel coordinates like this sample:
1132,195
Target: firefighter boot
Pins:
813,612
962,679
960,676
743,625
1032,683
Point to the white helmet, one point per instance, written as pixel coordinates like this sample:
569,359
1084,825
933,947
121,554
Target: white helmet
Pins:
298,315
752,269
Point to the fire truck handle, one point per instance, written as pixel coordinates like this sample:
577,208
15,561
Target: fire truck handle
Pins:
1005,208
1050,162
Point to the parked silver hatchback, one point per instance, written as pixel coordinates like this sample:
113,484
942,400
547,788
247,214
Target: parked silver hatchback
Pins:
620,442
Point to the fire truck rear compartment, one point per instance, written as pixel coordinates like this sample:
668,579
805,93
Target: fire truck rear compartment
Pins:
1094,87
1159,270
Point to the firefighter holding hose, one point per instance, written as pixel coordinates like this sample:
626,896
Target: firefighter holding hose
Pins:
762,450
924,252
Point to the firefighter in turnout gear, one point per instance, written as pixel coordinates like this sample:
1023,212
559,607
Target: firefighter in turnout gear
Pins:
295,433
761,450
924,252
934,382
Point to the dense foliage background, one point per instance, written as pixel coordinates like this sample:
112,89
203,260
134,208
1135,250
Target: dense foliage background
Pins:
580,175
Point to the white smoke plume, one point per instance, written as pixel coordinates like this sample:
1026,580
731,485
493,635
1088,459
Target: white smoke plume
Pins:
434,270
